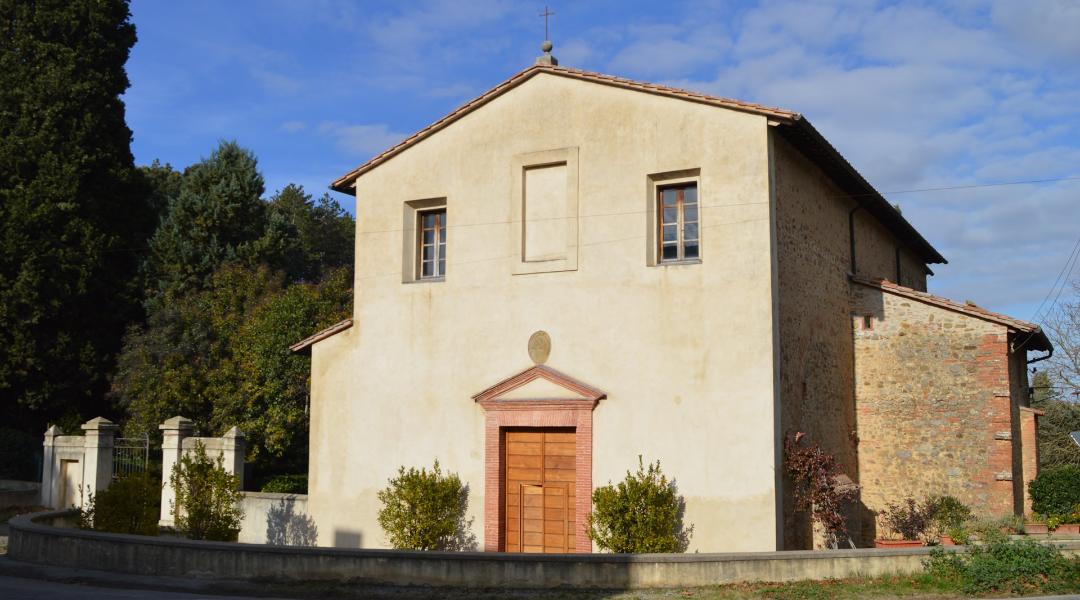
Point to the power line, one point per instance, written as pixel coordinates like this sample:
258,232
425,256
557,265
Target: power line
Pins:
1066,272
961,187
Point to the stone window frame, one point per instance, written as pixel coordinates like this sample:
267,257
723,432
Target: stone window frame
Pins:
530,160
654,182
410,248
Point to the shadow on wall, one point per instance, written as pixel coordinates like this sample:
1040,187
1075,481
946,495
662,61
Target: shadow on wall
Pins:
464,539
284,527
347,539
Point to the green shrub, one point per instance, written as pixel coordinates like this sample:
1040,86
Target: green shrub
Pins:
992,530
642,513
1011,566
425,510
948,515
208,497
131,504
1056,492
286,484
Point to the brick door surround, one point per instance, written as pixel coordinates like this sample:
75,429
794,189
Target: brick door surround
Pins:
501,413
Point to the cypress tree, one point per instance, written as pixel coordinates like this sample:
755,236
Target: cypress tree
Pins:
73,220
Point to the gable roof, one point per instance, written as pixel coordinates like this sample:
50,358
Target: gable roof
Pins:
1036,339
793,126
314,338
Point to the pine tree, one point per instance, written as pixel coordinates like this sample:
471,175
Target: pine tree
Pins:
218,217
73,222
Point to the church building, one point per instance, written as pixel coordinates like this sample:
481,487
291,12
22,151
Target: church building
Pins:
573,270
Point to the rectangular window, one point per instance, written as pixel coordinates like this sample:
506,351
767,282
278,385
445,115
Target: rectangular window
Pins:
431,244
677,206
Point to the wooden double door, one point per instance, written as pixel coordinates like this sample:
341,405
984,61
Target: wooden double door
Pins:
540,479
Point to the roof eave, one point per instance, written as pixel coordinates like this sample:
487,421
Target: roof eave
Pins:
304,345
809,140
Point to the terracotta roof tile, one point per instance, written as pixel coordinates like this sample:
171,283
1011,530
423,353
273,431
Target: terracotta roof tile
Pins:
334,329
1038,339
343,183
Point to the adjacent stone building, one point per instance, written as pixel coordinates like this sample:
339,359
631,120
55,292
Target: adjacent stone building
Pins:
574,270
942,399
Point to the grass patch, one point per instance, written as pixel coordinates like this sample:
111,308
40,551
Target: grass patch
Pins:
920,586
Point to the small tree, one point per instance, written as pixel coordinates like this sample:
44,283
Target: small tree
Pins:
425,510
642,513
208,497
818,488
131,504
1056,493
910,519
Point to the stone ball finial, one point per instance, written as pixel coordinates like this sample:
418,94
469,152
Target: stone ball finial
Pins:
546,46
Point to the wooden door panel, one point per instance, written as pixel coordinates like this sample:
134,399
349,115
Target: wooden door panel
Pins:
525,461
516,474
515,447
540,475
559,475
560,449
558,462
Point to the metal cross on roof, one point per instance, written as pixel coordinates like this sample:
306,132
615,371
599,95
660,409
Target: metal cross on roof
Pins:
547,13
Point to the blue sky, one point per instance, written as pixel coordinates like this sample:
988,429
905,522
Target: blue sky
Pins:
916,95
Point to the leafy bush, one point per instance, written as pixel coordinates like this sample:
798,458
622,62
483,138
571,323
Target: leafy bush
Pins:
131,504
948,514
286,484
425,510
817,488
909,519
1056,492
991,531
208,497
642,513
1013,566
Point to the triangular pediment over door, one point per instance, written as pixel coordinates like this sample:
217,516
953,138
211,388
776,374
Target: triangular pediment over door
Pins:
539,384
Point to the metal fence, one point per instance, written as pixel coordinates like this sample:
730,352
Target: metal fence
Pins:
131,455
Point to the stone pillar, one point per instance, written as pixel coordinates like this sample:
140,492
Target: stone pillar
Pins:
173,431
233,447
1029,449
49,477
97,456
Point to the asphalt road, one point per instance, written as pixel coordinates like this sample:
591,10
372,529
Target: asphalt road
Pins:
16,588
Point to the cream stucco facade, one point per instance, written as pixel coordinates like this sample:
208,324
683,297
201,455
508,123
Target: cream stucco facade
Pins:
688,355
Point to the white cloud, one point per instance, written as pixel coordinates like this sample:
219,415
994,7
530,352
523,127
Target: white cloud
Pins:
293,126
362,141
921,95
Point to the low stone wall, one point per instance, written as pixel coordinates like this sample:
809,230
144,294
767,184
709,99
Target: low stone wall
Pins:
277,519
19,493
35,540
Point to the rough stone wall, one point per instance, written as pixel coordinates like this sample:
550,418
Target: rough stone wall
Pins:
815,331
933,402
876,254
816,349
